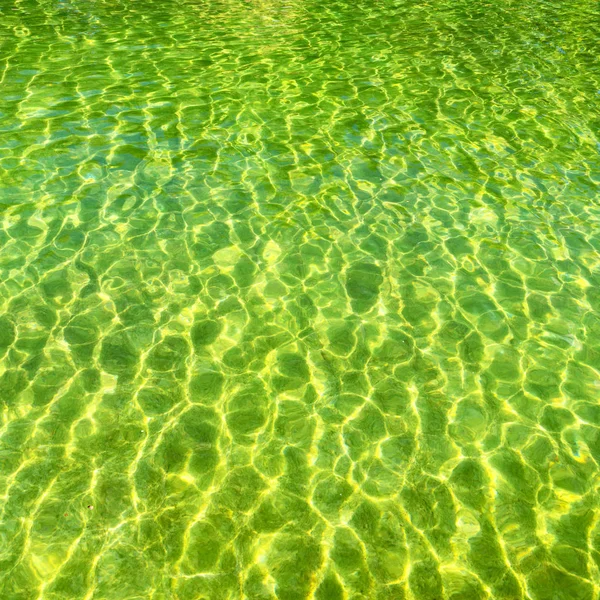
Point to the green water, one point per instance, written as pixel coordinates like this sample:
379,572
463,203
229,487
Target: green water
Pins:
299,299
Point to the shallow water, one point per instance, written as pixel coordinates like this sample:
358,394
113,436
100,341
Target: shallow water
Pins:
299,300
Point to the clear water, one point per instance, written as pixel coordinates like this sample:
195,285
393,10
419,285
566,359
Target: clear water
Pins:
299,299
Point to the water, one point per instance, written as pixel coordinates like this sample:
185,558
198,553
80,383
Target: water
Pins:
299,300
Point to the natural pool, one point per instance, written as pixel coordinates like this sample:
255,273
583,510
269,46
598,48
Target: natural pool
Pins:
299,299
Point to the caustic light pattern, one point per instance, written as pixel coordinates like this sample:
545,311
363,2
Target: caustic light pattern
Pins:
299,299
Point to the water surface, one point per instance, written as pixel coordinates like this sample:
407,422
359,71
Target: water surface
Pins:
299,299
